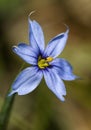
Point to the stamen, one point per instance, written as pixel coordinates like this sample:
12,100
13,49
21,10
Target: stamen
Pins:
49,59
43,63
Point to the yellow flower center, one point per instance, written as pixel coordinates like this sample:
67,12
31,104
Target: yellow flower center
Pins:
43,63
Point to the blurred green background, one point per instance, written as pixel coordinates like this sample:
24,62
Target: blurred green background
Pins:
41,110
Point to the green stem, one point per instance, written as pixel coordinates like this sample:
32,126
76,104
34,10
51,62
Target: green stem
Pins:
6,110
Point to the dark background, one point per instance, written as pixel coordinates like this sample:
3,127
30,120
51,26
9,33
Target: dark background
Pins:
41,110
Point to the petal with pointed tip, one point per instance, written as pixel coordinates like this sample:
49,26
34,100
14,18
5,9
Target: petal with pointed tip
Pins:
26,53
64,69
56,45
26,81
36,36
54,83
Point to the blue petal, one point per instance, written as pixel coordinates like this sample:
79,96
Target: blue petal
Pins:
56,45
54,83
26,81
26,53
63,68
36,36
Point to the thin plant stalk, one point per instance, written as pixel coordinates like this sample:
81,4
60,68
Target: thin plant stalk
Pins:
6,111
7,107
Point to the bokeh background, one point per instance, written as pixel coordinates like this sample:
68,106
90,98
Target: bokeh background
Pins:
41,110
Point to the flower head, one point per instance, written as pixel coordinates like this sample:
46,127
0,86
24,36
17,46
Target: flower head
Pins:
44,62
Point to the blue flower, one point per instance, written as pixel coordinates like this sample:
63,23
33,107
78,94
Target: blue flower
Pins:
44,62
